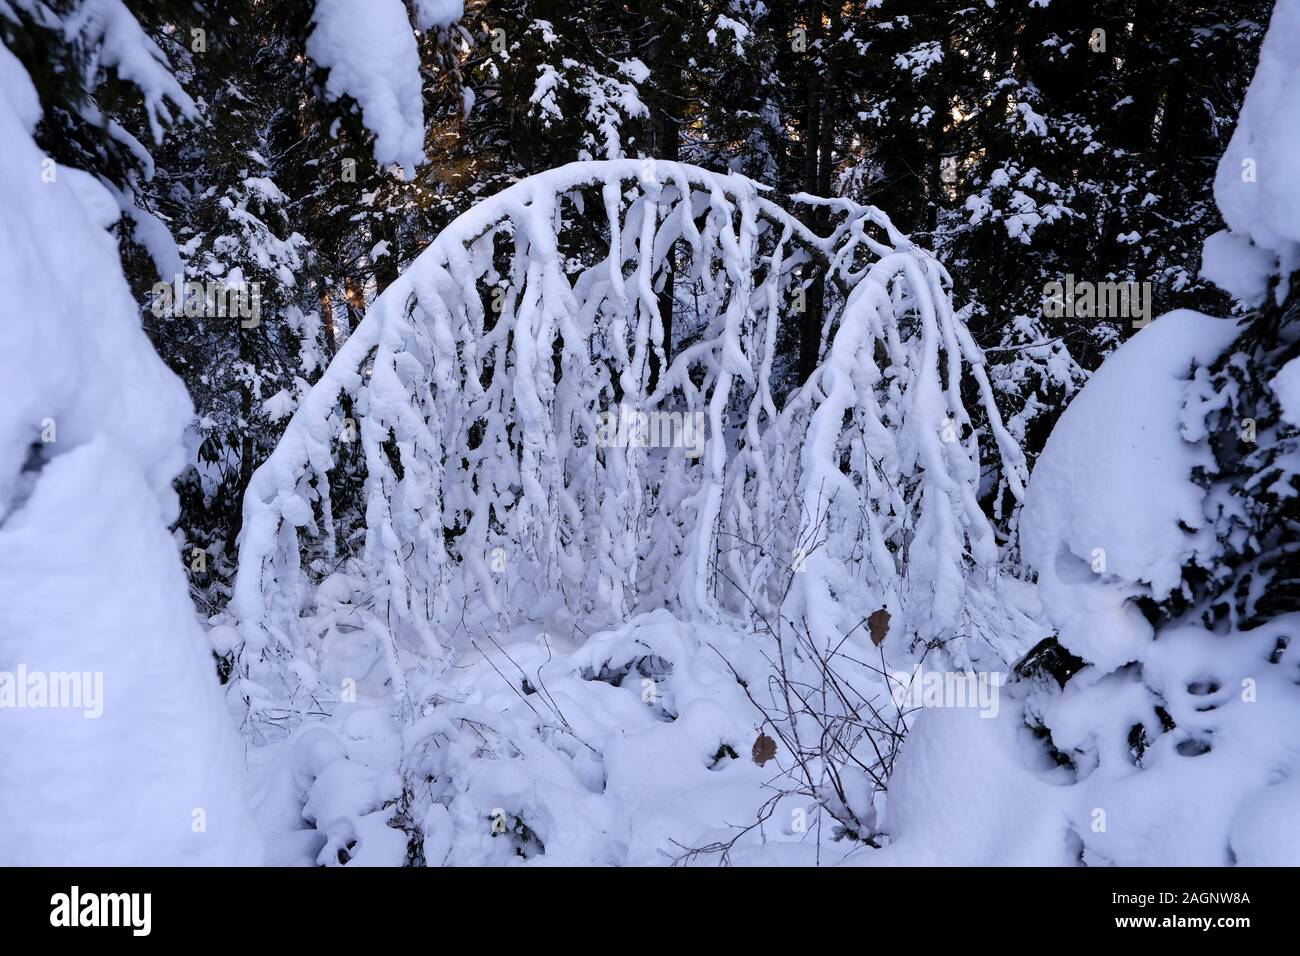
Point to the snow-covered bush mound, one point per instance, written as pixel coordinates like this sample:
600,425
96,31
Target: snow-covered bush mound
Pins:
1121,744
1113,512
114,738
1161,725
656,742
1170,734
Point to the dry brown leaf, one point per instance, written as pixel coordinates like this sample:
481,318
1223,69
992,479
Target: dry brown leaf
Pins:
878,624
764,749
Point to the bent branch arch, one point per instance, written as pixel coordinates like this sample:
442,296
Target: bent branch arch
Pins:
475,386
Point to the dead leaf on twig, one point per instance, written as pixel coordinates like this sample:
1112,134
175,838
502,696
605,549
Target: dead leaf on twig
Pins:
764,749
878,624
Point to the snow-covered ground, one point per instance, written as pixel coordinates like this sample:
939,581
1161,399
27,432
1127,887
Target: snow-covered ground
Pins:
634,746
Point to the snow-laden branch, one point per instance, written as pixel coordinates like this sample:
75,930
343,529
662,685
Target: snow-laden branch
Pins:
483,388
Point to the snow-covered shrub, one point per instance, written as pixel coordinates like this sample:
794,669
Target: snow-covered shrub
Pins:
477,388
478,381
1189,635
596,752
1159,725
636,746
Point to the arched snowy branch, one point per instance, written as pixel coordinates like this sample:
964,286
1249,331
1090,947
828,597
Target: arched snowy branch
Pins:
500,391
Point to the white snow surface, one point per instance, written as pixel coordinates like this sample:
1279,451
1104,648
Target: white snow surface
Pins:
369,49
438,13
602,763
1238,266
1286,386
90,581
961,795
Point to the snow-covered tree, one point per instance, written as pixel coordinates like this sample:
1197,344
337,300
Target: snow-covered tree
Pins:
96,623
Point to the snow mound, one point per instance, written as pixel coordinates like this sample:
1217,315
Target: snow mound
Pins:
1111,512
528,751
635,746
985,808
1191,759
1236,265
